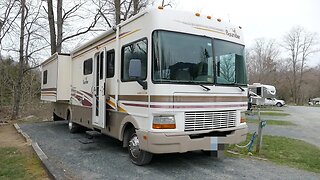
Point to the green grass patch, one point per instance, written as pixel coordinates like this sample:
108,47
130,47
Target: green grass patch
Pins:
17,165
11,164
271,113
286,151
269,109
272,122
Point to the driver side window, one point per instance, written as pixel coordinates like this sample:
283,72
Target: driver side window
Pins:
135,50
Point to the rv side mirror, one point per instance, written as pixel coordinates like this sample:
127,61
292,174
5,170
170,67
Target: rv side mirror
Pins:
135,68
135,72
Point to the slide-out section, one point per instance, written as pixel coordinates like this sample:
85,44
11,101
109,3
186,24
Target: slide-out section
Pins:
56,78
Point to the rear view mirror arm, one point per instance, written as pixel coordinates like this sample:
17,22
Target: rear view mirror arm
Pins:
142,83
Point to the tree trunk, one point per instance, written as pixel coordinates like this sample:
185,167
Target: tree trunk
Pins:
135,6
117,9
59,25
52,29
18,86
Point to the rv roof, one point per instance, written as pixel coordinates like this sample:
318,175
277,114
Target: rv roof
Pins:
194,20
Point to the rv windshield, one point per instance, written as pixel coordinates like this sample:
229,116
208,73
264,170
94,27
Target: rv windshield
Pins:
230,64
185,58
182,58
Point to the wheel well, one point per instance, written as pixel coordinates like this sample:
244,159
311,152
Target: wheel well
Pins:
68,114
125,134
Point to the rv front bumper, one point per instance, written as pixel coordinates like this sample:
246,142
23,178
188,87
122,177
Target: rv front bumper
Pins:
159,143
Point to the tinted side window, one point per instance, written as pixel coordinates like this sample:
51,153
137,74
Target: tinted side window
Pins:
45,77
87,67
259,91
110,63
136,50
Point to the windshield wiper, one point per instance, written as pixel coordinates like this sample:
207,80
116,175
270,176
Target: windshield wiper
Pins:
240,88
204,87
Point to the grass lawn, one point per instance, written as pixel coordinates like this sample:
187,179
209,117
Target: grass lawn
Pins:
272,122
271,113
286,151
15,164
269,109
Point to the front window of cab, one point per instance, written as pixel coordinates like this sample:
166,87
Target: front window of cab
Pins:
230,64
188,59
182,58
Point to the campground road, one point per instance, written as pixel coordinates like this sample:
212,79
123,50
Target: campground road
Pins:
75,158
306,118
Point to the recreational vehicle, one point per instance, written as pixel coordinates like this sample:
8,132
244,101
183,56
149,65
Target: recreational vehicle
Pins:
163,81
264,95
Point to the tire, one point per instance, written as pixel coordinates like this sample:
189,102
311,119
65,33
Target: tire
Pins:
137,156
73,127
56,118
278,104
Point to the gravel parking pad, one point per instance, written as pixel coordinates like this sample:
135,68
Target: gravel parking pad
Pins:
76,157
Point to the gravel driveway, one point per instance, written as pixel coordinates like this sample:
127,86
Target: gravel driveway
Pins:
306,118
105,158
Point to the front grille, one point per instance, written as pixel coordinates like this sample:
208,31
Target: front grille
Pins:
197,121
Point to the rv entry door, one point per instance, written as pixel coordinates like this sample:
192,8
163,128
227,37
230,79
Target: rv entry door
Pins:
99,98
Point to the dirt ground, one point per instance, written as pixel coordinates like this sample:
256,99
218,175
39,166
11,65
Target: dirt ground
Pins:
9,137
39,109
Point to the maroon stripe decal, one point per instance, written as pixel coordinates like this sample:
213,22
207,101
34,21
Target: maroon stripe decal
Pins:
89,94
84,102
49,89
186,107
48,92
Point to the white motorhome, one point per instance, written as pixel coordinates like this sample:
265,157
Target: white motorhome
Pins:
265,94
163,81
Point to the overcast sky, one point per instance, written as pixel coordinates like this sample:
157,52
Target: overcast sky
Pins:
261,18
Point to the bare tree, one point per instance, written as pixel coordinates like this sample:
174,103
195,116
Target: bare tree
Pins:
262,61
300,44
17,94
121,10
8,15
31,42
57,33
52,28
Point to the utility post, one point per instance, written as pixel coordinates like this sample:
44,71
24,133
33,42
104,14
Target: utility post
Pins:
262,123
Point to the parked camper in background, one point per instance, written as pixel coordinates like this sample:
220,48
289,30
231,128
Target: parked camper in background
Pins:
314,101
163,81
264,95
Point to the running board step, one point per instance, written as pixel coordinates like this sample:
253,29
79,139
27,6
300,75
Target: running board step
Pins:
93,133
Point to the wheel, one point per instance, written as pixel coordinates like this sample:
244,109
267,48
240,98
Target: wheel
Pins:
73,127
137,156
278,104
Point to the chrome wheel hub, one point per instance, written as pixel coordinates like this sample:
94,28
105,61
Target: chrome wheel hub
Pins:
70,124
134,146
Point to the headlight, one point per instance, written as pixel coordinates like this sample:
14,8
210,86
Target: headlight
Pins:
164,122
243,117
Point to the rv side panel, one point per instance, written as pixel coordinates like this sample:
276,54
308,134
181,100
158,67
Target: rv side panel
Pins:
49,79
64,78
56,78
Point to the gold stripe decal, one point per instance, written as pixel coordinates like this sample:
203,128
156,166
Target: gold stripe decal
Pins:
100,44
210,30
